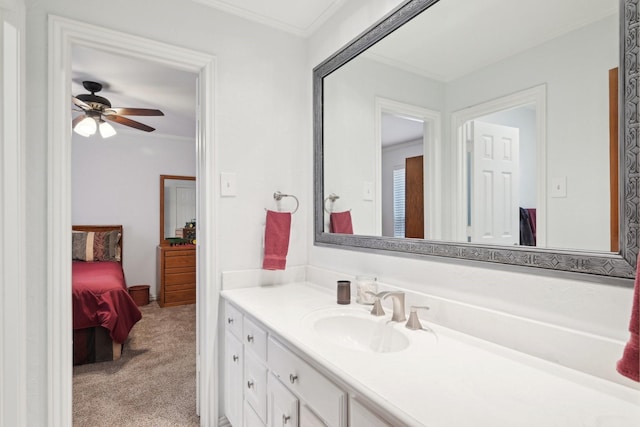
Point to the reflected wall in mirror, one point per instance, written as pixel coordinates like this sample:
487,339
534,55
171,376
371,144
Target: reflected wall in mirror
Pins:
177,207
446,136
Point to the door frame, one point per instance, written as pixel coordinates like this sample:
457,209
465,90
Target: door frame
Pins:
536,96
63,35
13,281
431,136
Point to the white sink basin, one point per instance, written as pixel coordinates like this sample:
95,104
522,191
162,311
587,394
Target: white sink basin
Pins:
358,330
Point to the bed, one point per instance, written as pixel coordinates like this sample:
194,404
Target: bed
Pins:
103,310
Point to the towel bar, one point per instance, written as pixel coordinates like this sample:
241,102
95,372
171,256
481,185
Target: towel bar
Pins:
278,196
333,197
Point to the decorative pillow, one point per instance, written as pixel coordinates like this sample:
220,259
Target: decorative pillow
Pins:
95,245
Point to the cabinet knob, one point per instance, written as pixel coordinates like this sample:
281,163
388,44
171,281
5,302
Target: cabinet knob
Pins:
235,358
249,384
292,378
285,419
249,338
230,320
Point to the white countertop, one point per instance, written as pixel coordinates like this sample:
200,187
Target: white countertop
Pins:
454,380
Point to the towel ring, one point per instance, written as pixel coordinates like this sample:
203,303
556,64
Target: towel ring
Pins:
333,197
278,196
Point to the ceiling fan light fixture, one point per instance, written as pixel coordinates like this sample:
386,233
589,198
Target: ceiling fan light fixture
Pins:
86,127
106,130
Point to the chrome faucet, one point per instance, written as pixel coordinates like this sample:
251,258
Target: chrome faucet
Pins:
399,314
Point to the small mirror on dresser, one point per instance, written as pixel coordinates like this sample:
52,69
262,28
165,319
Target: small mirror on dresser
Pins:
177,209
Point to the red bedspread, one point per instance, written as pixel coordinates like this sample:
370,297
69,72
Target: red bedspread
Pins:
100,298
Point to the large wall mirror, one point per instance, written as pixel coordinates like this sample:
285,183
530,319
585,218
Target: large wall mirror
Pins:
500,131
177,206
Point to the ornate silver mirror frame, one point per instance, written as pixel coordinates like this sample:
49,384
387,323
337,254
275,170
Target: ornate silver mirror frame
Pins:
621,265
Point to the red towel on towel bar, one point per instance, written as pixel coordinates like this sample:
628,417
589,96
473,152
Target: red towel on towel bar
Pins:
629,365
276,240
340,222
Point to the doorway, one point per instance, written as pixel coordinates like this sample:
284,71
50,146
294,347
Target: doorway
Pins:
424,127
63,35
526,111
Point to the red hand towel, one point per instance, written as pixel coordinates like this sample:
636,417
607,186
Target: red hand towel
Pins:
629,365
276,240
340,222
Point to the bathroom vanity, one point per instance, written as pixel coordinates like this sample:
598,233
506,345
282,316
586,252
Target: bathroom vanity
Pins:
294,357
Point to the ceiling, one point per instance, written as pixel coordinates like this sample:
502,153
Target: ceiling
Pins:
458,37
300,17
134,83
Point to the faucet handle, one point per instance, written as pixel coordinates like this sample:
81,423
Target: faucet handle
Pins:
414,321
377,305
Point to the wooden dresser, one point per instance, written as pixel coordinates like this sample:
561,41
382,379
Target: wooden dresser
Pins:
176,275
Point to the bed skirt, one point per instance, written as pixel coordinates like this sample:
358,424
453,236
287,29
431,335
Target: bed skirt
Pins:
94,345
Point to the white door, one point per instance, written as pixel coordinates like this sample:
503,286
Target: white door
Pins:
494,184
233,379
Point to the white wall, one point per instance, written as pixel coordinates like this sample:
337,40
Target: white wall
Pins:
583,304
349,137
260,126
117,181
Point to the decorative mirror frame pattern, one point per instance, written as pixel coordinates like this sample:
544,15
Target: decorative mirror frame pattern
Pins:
621,265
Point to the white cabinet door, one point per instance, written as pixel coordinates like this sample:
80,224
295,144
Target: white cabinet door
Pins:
308,418
360,416
251,419
283,405
255,382
326,399
233,376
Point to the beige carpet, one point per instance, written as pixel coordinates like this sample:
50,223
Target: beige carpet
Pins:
153,383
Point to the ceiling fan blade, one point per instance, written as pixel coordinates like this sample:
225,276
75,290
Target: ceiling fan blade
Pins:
80,103
128,122
134,112
77,120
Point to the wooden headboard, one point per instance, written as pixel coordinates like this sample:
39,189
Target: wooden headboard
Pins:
102,228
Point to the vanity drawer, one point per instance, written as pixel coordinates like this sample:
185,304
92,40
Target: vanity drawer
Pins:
255,338
233,320
255,385
324,397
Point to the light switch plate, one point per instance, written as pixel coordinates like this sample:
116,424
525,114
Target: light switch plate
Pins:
559,186
367,191
228,184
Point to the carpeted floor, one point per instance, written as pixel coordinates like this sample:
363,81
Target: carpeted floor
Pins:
153,383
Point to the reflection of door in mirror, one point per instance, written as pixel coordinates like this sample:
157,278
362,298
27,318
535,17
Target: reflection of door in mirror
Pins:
402,138
494,172
500,150
414,197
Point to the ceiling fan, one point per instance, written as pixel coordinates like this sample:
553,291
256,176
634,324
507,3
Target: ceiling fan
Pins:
97,109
